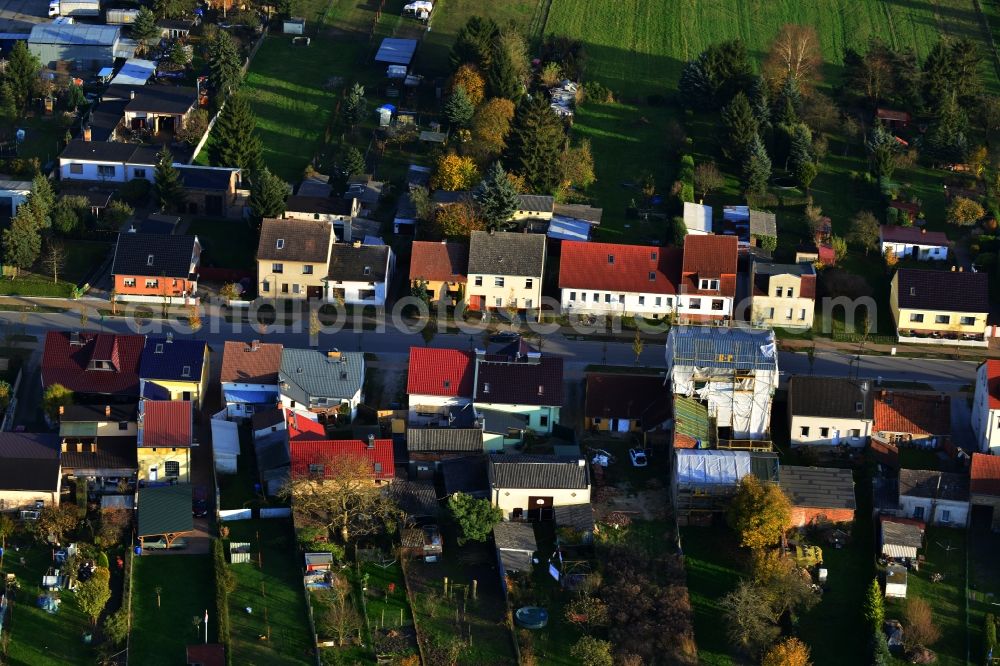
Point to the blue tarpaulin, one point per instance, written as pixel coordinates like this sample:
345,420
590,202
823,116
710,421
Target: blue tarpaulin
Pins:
396,51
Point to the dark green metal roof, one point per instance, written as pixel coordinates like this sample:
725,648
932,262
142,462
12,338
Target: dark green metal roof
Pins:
165,510
691,419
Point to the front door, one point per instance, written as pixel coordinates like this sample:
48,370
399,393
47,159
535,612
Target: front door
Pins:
539,508
314,292
154,473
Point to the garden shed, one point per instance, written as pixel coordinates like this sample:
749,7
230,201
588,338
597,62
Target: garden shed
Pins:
293,26
895,581
515,546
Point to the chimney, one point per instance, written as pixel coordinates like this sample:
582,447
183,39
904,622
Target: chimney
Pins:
581,462
371,441
87,133
952,269
107,410
131,94
961,268
254,345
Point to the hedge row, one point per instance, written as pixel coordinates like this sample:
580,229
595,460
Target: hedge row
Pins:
223,582
36,287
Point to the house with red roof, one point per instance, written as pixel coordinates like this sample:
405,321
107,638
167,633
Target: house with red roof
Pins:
438,380
912,419
250,377
166,433
93,364
441,268
708,279
984,484
605,278
914,242
986,407
314,456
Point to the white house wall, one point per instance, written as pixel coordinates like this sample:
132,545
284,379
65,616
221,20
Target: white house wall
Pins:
833,426
509,499
936,252
606,302
946,512
985,421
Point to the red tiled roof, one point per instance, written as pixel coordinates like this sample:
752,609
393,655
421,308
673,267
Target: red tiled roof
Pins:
444,372
712,257
624,396
439,262
70,365
896,234
251,362
166,423
993,382
984,476
912,413
503,381
324,452
301,428
611,267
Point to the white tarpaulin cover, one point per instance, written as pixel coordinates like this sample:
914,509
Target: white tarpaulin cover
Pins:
703,468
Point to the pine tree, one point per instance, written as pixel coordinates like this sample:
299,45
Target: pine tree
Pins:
874,608
458,108
22,74
144,26
947,139
757,168
267,195
800,148
352,162
882,148
474,43
167,185
234,140
42,197
21,242
788,102
503,78
741,126
224,65
178,54
497,197
355,105
535,144
760,103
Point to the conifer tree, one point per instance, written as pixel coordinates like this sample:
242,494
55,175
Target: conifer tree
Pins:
144,26
167,184
458,108
497,197
535,145
757,168
234,140
224,65
267,195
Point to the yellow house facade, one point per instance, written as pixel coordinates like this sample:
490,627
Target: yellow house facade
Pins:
948,307
783,295
505,270
293,258
164,441
179,369
164,464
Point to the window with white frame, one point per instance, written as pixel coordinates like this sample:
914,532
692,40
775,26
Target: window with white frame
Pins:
708,284
694,304
152,284
572,295
129,282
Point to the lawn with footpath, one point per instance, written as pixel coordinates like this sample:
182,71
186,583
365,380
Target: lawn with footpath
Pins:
169,592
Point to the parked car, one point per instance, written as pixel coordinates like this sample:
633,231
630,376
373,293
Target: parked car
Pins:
505,336
638,457
199,502
161,544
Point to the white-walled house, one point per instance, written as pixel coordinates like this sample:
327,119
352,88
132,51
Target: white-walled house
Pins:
107,161
733,371
437,381
606,278
318,384
359,274
708,279
914,242
530,487
936,498
986,407
830,411
250,377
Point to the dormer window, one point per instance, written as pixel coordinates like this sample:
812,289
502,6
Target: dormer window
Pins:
652,276
913,291
652,256
368,270
708,284
858,407
280,244
159,348
486,387
186,371
149,260
611,259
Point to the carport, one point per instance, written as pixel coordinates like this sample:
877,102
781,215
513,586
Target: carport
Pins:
165,511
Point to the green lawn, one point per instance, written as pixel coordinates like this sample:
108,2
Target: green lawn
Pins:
274,593
82,257
945,553
984,581
226,243
33,285
44,137
37,637
713,564
161,632
450,15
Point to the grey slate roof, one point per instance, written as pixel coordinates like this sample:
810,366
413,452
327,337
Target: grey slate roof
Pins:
29,461
500,422
579,517
300,203
901,534
505,253
205,178
127,411
762,267
165,510
415,498
171,255
934,484
711,347
829,397
515,536
818,487
763,224
310,373
154,98
542,472
943,290
445,439
368,263
579,212
535,202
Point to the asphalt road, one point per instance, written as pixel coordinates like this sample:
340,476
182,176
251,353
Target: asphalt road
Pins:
392,347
